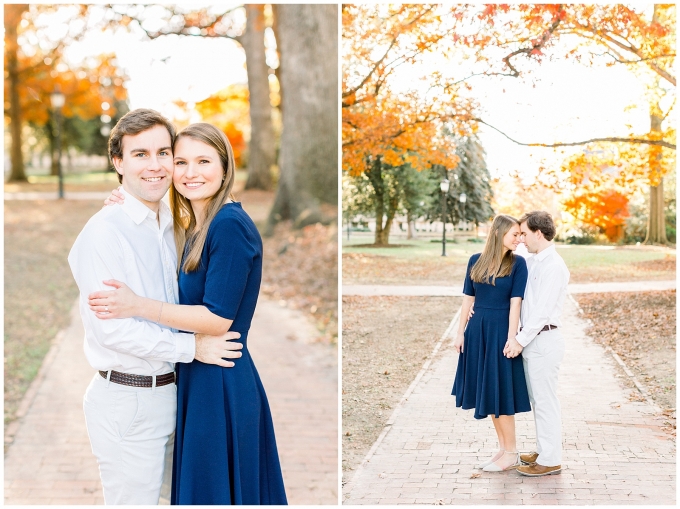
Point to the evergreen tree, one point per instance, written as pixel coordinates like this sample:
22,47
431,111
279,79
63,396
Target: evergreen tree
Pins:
470,177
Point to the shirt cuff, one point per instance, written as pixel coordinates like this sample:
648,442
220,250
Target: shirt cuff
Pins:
186,346
523,339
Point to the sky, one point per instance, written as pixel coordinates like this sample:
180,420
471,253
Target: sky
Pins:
168,68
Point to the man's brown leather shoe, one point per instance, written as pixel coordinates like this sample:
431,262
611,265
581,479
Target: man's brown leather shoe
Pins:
537,470
528,459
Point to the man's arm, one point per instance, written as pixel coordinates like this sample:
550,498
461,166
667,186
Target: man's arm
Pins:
98,255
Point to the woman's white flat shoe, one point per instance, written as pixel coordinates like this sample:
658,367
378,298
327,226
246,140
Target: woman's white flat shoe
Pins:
492,467
483,464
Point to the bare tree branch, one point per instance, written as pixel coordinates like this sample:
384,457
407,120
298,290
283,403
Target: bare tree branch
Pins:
642,141
534,47
629,48
375,67
188,28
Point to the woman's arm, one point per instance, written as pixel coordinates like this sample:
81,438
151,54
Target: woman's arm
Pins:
468,301
124,303
512,347
515,308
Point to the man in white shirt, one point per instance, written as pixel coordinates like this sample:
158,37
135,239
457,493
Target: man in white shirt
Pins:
540,341
130,404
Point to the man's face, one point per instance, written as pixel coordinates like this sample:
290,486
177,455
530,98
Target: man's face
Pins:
530,238
146,165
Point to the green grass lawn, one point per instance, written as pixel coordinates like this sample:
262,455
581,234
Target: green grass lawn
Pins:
412,249
588,256
414,262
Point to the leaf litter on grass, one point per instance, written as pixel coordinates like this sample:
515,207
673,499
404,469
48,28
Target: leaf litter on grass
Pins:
301,271
385,342
640,328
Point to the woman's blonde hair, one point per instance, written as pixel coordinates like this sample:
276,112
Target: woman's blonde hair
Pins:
184,218
493,263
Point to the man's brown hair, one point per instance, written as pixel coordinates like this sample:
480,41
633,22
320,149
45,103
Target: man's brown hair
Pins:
540,220
133,123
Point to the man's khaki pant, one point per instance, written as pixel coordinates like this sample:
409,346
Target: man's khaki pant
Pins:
129,428
542,358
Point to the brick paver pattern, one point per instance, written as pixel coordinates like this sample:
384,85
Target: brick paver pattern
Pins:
615,451
51,462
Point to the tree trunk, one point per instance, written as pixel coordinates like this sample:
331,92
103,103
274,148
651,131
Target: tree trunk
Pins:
412,233
308,159
12,18
262,148
656,222
279,70
374,174
392,206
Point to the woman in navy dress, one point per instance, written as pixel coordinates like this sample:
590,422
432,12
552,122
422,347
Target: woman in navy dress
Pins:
489,377
225,449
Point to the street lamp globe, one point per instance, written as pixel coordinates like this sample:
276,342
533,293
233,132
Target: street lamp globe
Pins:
444,186
462,198
57,99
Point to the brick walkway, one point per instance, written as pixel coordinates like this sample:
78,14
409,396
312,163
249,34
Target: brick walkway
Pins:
50,460
615,451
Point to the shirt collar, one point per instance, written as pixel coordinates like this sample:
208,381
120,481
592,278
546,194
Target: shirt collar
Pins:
165,215
134,208
545,253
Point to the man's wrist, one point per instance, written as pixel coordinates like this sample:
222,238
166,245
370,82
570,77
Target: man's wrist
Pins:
522,340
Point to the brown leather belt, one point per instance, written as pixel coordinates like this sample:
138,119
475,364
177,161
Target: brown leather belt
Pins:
139,380
545,328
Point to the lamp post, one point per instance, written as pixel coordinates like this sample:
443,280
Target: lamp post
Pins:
463,198
58,99
105,129
444,186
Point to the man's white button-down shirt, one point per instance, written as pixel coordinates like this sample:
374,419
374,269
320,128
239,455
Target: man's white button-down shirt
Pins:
544,295
126,242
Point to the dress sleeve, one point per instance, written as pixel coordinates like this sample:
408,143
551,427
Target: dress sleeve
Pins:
519,277
231,252
468,286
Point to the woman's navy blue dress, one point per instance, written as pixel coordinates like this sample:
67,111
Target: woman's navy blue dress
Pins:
225,450
486,380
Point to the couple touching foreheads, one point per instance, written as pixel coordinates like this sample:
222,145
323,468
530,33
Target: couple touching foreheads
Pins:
504,369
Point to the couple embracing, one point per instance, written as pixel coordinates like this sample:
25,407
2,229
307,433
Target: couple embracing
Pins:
504,369
186,279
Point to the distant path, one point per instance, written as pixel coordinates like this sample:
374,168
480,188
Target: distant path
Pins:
68,195
49,460
457,291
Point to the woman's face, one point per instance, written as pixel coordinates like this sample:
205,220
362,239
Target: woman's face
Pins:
511,239
198,170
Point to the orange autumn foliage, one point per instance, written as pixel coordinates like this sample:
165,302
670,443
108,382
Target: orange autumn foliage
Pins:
377,120
42,68
640,37
607,210
84,88
229,110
